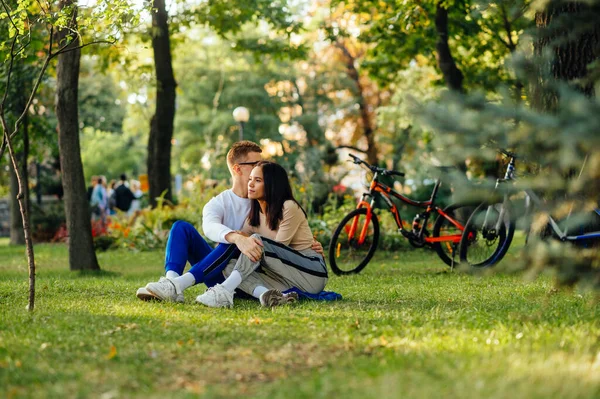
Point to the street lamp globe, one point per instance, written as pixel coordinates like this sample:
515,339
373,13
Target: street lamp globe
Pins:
241,114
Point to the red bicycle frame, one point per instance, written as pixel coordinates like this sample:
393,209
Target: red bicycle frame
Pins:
386,191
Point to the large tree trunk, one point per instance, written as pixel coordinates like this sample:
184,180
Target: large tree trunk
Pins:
77,209
452,75
17,235
573,48
161,125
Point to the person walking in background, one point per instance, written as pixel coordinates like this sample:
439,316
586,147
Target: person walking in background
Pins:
99,200
136,204
111,197
90,188
123,195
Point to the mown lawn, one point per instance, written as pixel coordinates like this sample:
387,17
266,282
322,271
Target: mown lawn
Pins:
406,328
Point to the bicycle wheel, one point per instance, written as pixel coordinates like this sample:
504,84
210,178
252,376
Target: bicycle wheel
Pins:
448,233
485,239
347,254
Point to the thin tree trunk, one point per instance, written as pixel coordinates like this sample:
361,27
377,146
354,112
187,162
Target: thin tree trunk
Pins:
17,235
161,125
452,75
25,219
77,209
365,115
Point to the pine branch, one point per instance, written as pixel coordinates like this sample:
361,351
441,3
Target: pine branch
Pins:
351,148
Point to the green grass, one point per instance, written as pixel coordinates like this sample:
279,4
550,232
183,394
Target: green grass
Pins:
407,327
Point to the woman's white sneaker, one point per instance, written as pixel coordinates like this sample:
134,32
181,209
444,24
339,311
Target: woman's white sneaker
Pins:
216,297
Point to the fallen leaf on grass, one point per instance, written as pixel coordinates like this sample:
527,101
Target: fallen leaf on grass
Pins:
112,353
254,320
121,327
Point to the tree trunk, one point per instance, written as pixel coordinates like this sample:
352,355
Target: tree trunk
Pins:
452,75
573,48
17,235
366,119
161,125
77,208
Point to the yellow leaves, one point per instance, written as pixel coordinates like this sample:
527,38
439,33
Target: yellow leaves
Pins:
112,353
194,387
188,342
254,320
121,327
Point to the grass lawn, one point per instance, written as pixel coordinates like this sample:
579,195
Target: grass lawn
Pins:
406,328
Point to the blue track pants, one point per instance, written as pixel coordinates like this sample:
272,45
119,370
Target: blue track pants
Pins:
185,244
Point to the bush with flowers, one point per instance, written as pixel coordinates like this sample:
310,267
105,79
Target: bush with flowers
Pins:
148,229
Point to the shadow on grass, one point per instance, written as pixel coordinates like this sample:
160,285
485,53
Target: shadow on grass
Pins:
94,274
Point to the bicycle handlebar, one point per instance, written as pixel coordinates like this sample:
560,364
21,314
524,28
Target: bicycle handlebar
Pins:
507,153
356,160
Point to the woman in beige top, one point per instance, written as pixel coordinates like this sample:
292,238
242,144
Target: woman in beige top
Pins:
279,223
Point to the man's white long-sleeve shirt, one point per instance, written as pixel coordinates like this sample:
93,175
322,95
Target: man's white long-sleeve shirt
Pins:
223,214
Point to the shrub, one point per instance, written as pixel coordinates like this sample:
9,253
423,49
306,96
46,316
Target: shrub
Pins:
46,221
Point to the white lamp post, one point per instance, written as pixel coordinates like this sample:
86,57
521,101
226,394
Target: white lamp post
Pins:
241,116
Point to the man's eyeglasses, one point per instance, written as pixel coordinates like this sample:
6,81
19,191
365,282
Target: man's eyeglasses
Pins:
248,163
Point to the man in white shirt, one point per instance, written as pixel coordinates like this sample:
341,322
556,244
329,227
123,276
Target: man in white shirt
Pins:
222,217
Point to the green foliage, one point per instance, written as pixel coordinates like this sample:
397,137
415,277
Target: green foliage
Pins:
110,154
100,105
553,134
482,33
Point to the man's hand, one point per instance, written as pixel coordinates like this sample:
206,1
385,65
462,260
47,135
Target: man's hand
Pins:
317,247
249,246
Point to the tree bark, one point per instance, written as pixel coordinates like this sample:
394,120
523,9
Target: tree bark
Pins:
17,235
363,107
452,75
572,48
77,208
161,125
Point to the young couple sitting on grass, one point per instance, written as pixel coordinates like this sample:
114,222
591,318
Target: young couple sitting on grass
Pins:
266,246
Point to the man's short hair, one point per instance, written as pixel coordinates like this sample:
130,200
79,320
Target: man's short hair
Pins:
123,177
240,150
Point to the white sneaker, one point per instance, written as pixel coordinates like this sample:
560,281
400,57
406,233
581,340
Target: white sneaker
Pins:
143,294
216,297
165,290
273,298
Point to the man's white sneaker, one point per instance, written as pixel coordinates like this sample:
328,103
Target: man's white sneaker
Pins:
216,297
273,298
165,290
143,294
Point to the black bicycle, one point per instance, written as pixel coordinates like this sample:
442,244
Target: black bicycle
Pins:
490,229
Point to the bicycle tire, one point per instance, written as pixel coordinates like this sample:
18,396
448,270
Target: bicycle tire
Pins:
355,257
475,236
445,250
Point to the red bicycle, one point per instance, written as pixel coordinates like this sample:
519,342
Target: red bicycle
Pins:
355,240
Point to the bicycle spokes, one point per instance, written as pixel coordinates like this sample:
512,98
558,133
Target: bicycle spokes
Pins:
354,241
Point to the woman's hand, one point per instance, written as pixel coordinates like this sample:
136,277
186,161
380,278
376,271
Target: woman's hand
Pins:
249,246
318,248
